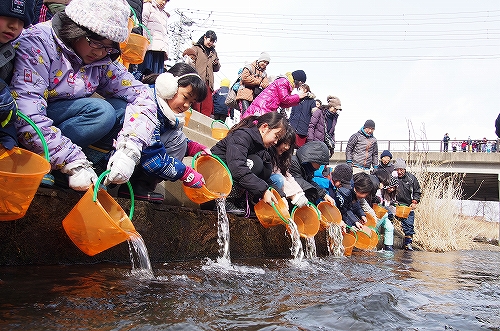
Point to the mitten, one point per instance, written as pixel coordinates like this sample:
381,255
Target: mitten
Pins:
300,200
81,174
192,178
194,147
122,163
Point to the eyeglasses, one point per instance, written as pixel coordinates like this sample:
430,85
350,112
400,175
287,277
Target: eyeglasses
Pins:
97,45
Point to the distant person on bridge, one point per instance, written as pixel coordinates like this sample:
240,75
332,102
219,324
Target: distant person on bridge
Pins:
408,193
446,139
362,149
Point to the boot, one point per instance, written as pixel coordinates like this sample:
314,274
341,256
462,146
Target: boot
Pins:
143,186
388,248
231,208
407,243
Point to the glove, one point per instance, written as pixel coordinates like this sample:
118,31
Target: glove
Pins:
193,179
193,147
81,174
300,199
122,162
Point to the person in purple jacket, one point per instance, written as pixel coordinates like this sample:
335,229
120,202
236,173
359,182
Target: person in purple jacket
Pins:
62,63
278,94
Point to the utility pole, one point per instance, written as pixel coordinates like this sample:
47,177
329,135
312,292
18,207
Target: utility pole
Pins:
180,35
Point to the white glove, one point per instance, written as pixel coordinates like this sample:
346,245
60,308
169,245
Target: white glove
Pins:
300,199
122,162
81,174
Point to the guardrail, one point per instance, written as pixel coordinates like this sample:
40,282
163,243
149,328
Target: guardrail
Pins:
486,146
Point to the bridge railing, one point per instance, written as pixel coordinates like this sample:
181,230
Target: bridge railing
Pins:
429,146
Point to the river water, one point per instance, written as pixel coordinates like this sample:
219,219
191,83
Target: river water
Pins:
367,291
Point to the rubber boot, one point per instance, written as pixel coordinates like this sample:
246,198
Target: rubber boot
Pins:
407,243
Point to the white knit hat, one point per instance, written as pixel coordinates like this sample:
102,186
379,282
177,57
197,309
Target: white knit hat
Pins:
107,18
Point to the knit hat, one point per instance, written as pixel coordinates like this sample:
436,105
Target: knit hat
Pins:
393,182
386,153
369,124
264,57
21,9
108,19
225,82
334,102
189,51
299,75
342,172
400,164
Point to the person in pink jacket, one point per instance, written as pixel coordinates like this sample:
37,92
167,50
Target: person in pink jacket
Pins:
59,65
278,94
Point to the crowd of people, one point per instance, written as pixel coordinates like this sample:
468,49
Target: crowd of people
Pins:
479,145
134,129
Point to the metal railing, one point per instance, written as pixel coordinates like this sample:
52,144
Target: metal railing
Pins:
487,146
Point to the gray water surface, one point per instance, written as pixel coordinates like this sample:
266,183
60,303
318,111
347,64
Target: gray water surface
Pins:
367,291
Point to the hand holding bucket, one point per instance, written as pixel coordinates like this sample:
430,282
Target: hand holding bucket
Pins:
97,222
272,214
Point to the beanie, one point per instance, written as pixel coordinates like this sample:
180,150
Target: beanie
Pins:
334,102
108,19
21,9
343,173
299,75
393,182
225,82
399,164
386,153
369,124
264,57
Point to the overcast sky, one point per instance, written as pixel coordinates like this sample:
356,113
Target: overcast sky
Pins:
422,68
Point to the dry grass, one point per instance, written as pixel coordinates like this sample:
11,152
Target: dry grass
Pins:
438,225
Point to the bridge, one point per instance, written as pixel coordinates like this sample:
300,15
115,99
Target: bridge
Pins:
481,170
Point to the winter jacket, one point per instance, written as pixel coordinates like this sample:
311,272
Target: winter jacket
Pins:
408,189
300,115
303,172
234,150
389,168
362,150
277,94
252,76
219,98
207,62
348,205
155,19
47,70
316,129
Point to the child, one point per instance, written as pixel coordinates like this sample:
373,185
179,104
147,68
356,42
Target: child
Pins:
347,197
175,91
59,66
14,15
221,111
308,159
281,155
244,150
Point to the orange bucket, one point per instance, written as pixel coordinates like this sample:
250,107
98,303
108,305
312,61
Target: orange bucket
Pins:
364,238
134,49
307,219
348,241
379,210
21,172
371,222
402,211
221,131
187,116
272,215
331,214
373,239
218,180
97,222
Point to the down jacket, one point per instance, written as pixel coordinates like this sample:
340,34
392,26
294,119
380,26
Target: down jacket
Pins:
46,69
207,62
362,150
316,130
300,115
277,94
155,19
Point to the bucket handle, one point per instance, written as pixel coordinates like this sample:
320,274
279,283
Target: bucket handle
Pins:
98,184
214,121
134,17
287,222
312,205
193,163
39,132
150,37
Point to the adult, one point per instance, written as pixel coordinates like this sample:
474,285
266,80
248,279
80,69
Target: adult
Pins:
207,62
408,193
278,94
386,163
362,149
323,122
253,81
300,116
154,17
446,140
58,67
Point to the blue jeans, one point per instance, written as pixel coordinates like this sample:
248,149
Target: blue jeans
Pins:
277,180
407,224
88,121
